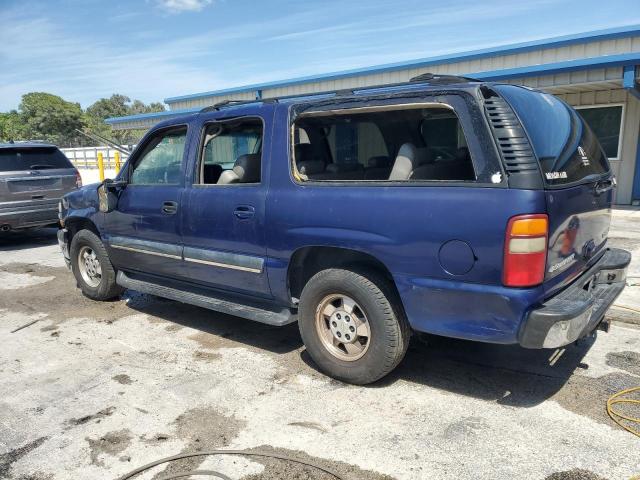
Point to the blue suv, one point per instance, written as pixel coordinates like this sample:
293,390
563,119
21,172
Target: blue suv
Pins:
443,205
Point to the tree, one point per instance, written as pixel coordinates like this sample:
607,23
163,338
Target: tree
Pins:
11,126
118,106
48,117
43,116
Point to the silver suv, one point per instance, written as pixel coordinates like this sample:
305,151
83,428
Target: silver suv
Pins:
33,178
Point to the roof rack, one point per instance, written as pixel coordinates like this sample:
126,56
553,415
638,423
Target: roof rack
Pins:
422,79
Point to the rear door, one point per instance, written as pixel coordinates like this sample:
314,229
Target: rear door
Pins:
223,217
578,182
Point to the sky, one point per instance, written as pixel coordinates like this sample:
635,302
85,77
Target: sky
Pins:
84,50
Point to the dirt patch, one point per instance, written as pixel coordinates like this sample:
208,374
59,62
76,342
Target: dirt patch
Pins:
12,456
588,396
111,443
123,379
36,476
287,470
173,328
203,429
98,416
205,356
629,361
575,474
62,298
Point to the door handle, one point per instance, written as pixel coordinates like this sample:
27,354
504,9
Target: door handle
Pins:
169,208
604,186
244,211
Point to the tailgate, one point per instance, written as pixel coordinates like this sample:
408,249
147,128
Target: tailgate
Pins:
577,181
16,186
579,220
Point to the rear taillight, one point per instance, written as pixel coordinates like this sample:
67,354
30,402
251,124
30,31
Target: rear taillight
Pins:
78,179
525,250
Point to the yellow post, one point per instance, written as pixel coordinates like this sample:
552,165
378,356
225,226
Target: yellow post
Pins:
116,157
101,166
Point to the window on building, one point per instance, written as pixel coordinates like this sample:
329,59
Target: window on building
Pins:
606,123
378,144
231,152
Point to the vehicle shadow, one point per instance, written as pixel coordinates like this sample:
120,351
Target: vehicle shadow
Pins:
219,326
507,374
25,239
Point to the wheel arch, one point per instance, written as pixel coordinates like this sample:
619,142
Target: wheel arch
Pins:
306,261
75,224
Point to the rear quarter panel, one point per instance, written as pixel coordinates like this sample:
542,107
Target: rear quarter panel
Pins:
405,227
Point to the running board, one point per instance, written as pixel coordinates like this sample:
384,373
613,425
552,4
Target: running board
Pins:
251,310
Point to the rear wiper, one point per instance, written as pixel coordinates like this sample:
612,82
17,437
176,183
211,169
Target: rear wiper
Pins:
40,166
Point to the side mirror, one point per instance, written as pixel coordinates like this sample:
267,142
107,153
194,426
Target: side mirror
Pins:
107,195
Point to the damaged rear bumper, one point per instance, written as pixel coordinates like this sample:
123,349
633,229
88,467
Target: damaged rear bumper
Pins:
576,311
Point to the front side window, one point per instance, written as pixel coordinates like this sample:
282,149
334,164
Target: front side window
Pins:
161,160
382,144
231,152
605,122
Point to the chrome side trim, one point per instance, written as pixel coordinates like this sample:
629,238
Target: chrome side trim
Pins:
216,258
223,265
138,250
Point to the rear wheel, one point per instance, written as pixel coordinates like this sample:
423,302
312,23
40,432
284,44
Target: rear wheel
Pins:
352,325
92,268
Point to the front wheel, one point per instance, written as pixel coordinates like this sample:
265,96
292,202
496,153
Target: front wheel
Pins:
92,268
352,325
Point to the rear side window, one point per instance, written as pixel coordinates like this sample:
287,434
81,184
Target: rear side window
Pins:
15,159
565,146
399,144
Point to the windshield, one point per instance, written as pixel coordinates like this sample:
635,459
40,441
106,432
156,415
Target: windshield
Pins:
565,146
16,159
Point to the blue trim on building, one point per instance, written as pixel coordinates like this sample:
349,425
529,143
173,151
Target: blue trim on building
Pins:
606,61
629,81
146,116
607,34
635,192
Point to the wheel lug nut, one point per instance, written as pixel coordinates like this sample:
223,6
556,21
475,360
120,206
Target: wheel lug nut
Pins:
334,324
339,334
347,337
352,329
338,316
346,317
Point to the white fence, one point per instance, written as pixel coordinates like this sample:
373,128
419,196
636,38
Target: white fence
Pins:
87,157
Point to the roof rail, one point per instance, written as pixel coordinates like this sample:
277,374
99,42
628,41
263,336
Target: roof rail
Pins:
423,79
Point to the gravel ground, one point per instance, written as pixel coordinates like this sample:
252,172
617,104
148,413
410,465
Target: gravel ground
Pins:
94,390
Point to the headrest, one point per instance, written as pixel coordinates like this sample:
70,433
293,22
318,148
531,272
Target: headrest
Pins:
310,167
247,167
380,161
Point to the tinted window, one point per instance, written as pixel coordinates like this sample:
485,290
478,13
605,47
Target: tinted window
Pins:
161,161
565,146
605,122
232,147
382,144
12,159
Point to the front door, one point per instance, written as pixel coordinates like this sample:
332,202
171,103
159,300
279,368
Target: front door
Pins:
224,209
143,233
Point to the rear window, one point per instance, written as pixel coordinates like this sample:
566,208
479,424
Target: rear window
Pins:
15,159
565,146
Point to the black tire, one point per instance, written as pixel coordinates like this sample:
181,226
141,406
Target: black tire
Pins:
389,329
107,287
